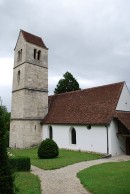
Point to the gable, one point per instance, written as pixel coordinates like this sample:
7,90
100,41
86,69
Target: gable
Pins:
124,100
31,39
91,106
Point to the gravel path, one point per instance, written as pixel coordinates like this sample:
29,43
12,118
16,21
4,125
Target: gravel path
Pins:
64,180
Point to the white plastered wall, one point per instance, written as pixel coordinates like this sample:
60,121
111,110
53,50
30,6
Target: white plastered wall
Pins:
94,140
116,143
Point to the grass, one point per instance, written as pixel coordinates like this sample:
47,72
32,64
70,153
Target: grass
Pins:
108,178
66,157
27,183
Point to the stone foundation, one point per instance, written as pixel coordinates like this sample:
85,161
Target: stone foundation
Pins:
25,133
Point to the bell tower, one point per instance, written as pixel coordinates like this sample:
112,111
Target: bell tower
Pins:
29,91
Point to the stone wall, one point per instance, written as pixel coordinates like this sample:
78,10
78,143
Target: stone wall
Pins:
30,94
29,104
25,133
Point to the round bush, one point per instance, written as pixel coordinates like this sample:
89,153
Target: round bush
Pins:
48,149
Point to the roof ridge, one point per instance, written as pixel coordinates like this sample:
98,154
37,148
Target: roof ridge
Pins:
81,90
29,33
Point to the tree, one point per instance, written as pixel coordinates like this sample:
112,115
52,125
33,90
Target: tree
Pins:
67,84
6,121
6,176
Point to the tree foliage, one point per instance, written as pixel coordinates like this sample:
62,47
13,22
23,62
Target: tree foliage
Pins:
6,121
6,176
67,84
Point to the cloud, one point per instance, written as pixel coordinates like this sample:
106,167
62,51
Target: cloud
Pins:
5,95
90,39
6,72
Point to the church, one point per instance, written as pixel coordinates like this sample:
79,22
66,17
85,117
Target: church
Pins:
95,119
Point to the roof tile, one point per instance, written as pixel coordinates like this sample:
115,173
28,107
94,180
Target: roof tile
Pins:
124,118
90,106
33,39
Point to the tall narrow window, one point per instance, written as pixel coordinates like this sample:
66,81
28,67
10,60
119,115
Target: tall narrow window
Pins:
50,132
39,55
35,52
18,76
19,55
73,136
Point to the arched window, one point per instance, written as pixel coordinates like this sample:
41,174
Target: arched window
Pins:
35,52
73,136
18,76
50,132
39,55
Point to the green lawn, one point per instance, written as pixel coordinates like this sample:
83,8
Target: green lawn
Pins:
108,178
66,157
27,183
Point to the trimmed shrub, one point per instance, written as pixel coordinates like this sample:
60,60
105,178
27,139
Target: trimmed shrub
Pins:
48,149
20,163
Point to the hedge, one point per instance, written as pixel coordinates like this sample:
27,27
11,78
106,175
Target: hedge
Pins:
20,163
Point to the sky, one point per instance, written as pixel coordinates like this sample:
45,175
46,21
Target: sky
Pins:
88,38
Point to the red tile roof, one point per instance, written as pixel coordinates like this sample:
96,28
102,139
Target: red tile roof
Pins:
90,106
33,39
124,118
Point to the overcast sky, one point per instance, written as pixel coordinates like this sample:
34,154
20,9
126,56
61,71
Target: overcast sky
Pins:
89,38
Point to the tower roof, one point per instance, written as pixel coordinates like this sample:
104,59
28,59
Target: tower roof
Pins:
33,39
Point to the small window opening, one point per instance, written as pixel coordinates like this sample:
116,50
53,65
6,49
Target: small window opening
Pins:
35,127
73,136
18,76
19,55
35,52
39,55
89,127
50,132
